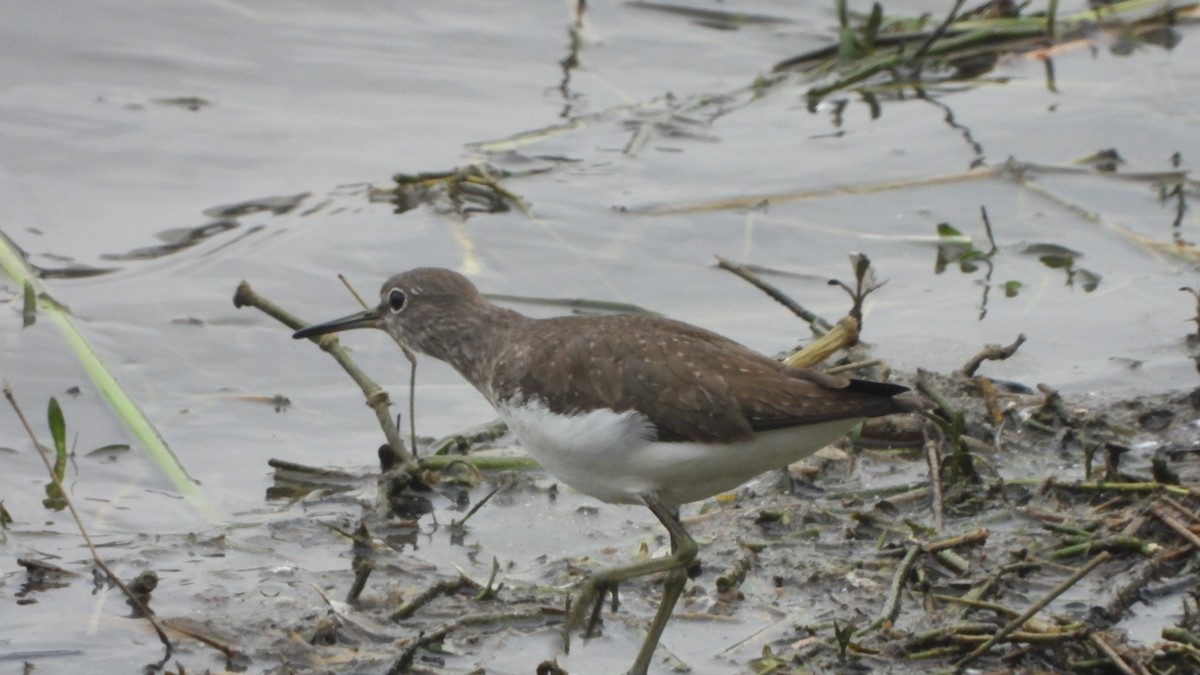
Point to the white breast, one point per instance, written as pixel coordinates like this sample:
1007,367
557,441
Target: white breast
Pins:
610,456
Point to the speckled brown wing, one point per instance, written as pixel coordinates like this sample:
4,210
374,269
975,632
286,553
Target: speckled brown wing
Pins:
800,397
572,371
692,384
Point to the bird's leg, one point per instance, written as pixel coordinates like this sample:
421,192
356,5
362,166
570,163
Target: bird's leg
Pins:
683,554
594,590
672,589
693,569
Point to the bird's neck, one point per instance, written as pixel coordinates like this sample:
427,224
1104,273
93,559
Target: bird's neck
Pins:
471,341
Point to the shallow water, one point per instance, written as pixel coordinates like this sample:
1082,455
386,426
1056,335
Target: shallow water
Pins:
101,156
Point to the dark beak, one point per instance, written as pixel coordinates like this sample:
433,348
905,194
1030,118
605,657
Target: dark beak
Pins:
365,319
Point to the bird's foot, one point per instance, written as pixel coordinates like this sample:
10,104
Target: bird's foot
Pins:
588,603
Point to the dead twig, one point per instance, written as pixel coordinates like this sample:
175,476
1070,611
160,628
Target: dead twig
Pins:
864,285
991,352
891,605
134,600
851,367
376,397
819,325
1112,655
974,538
1183,510
203,635
459,524
444,587
1173,523
1145,487
933,459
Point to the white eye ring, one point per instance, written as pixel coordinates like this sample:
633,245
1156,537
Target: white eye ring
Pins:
397,300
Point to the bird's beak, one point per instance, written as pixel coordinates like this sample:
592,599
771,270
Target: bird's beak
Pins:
365,319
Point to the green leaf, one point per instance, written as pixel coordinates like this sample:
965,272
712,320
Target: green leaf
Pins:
58,428
58,431
948,230
871,30
1048,249
843,634
29,310
1011,288
109,451
1057,262
848,45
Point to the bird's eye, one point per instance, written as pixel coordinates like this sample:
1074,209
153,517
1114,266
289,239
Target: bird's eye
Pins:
397,299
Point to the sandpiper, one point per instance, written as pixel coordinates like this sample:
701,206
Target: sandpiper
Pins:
627,408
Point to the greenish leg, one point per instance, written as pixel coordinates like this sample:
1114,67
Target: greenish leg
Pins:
592,593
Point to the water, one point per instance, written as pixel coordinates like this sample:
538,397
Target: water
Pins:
102,155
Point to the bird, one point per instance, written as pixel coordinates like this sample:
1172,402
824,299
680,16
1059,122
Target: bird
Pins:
627,408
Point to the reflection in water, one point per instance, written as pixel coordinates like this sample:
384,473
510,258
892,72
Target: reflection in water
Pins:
175,240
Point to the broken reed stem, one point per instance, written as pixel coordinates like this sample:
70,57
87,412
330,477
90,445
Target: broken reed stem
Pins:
851,367
933,458
1110,543
376,397
1121,488
1183,510
1033,609
842,336
1111,654
1181,636
974,538
735,574
135,601
1180,529
999,610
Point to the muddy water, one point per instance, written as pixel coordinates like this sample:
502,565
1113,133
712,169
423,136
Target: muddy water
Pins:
124,129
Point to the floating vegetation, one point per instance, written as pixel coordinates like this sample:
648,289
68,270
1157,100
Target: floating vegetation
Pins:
884,53
464,191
